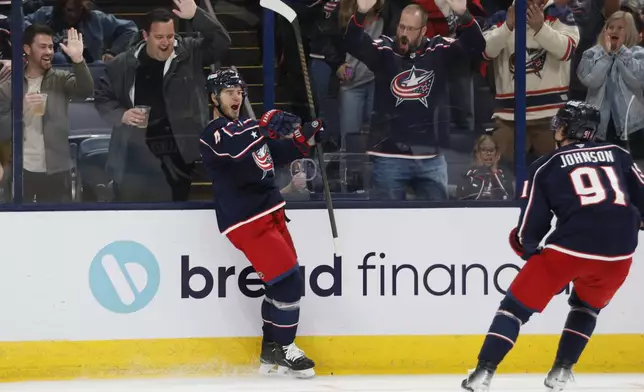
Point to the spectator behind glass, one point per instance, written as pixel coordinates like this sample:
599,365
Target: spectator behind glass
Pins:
590,16
485,180
635,8
551,40
442,21
105,35
5,50
154,162
5,27
613,71
357,81
411,97
327,55
46,152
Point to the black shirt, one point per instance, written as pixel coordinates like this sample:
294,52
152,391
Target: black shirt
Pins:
148,88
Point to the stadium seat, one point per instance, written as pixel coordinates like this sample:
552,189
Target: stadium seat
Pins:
89,137
92,158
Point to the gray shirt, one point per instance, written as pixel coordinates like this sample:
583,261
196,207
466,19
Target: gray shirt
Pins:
362,74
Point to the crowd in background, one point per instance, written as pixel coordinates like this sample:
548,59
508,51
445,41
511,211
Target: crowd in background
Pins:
576,49
460,147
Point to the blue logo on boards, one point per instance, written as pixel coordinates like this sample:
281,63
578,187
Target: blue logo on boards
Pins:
124,277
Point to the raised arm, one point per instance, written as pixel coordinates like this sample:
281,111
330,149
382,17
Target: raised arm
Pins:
496,38
215,40
470,42
594,66
559,37
359,44
80,83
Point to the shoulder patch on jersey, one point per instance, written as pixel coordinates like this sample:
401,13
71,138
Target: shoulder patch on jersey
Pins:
264,160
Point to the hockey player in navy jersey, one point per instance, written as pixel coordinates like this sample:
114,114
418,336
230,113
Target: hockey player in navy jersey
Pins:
596,193
240,154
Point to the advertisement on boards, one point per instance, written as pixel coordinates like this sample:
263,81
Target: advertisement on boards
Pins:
171,274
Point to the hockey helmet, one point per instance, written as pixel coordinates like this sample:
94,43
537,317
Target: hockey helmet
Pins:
225,78
580,120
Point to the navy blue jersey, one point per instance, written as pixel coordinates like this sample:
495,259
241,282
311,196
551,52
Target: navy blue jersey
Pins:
597,194
411,102
240,162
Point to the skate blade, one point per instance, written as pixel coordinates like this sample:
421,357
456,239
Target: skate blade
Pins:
557,387
474,389
303,374
267,369
474,385
557,384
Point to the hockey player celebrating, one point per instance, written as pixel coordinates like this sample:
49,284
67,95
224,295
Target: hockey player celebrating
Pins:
596,193
239,154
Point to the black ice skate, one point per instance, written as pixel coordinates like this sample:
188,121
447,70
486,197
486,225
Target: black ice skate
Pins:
292,361
558,376
480,379
267,359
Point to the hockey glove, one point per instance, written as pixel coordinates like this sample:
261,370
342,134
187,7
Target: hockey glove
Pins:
277,123
515,244
519,249
307,133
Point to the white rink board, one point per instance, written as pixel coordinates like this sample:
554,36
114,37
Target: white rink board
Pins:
47,257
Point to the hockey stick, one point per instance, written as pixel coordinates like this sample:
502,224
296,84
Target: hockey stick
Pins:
625,135
287,12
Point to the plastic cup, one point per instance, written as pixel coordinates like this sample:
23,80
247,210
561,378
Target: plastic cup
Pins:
145,110
39,109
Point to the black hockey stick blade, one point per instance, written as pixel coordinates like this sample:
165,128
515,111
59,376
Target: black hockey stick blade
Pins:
287,12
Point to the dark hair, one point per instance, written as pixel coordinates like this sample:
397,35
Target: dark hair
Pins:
58,11
157,15
33,30
637,17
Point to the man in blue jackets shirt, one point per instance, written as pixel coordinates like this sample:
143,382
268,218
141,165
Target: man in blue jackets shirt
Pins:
411,103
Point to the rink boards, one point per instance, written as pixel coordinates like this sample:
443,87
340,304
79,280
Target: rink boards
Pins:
107,294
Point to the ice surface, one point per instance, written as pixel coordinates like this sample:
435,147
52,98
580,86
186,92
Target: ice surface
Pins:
502,382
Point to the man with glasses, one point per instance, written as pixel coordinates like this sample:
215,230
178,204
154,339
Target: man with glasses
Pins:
411,101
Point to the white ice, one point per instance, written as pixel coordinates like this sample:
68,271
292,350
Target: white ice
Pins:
517,383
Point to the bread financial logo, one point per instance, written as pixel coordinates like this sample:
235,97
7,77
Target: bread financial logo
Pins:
124,277
412,85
